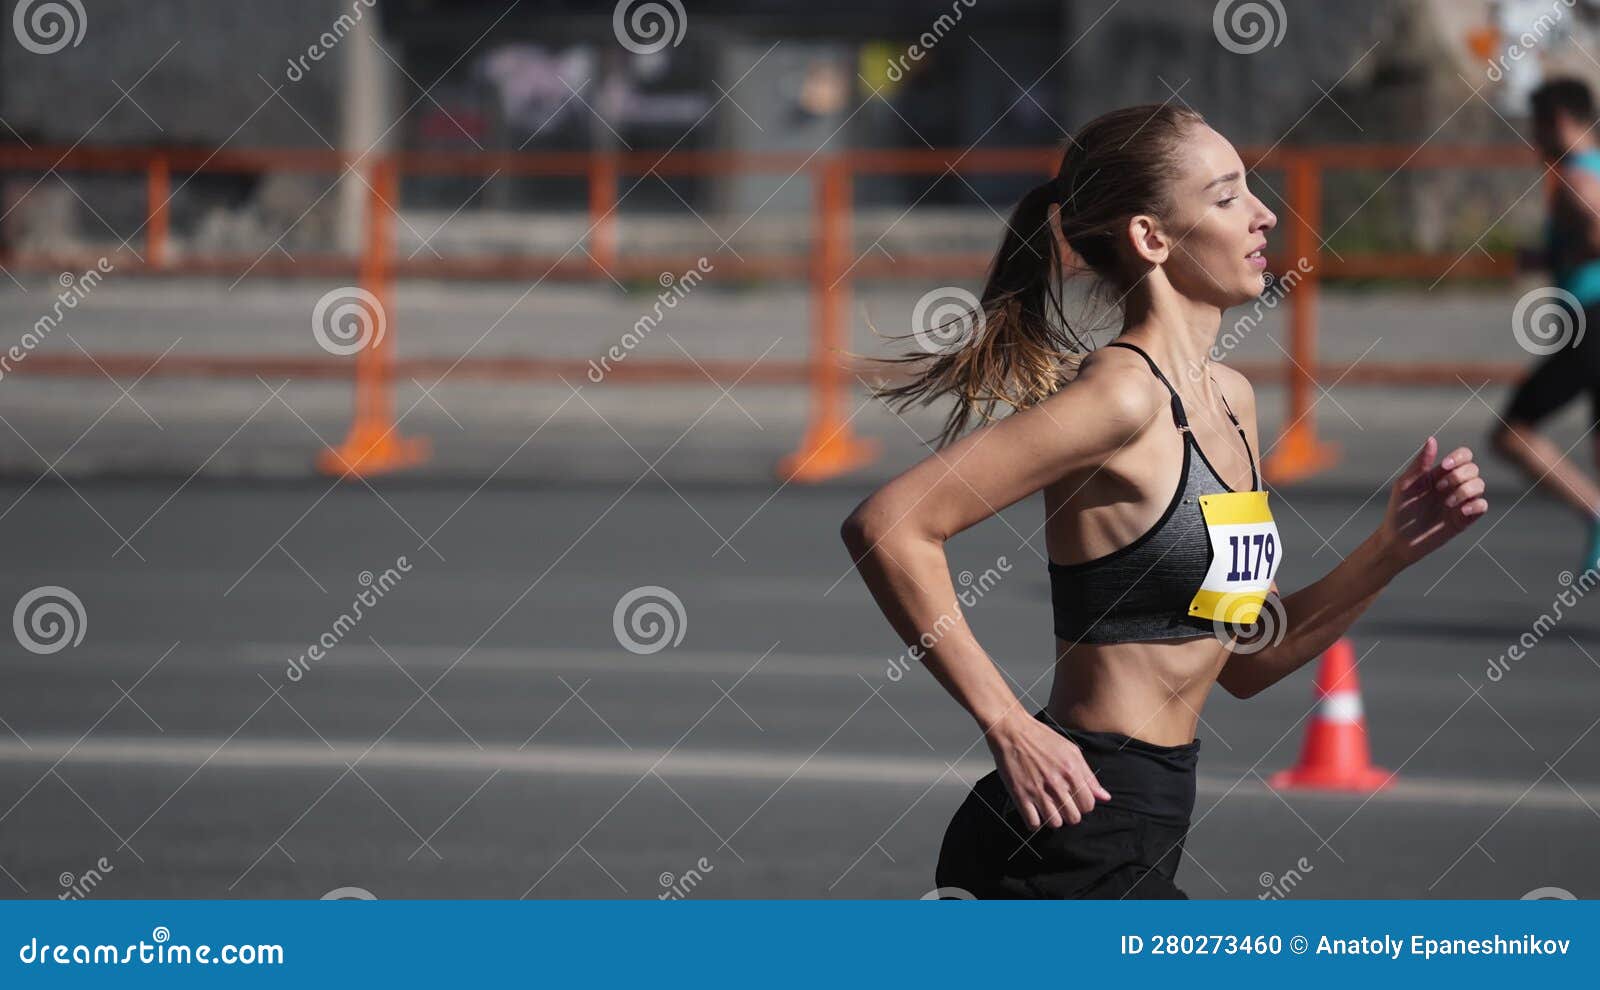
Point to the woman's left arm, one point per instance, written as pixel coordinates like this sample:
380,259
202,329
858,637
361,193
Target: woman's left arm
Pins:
1428,505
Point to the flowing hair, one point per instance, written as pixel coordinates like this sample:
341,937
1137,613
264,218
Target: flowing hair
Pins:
1016,346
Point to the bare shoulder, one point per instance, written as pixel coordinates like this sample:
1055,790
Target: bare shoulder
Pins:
1115,383
1107,404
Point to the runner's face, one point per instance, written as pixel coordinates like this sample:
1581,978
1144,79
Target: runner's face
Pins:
1219,229
1557,134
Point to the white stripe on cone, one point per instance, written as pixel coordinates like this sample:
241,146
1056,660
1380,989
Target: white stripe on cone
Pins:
1341,706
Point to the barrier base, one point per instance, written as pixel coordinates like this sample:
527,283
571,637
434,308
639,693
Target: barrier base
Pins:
1299,455
371,450
829,449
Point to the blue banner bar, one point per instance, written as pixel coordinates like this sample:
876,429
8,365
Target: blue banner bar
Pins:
793,943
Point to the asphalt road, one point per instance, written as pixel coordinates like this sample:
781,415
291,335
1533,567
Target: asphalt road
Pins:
480,731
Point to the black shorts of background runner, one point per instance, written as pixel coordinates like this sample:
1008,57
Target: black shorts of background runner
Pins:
1127,847
1560,377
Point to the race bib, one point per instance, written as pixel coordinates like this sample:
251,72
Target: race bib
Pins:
1244,557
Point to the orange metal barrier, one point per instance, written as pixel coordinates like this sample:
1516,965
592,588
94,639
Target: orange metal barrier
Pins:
830,446
373,445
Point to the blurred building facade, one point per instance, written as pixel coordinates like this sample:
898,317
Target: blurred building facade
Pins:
730,74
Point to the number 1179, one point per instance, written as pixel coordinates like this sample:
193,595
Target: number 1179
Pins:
1265,549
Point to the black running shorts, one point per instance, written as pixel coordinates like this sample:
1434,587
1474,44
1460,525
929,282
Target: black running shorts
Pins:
1128,847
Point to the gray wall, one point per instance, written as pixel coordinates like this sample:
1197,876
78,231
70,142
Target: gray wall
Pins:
201,92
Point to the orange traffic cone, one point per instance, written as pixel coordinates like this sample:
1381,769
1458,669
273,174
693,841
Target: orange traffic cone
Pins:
1335,755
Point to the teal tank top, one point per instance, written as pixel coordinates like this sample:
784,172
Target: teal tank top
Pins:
1581,278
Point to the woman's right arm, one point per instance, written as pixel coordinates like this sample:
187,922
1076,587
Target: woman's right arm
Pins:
897,535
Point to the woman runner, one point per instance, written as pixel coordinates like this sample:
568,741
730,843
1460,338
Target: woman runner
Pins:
1161,546
1564,127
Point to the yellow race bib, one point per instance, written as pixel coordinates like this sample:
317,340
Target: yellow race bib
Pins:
1245,552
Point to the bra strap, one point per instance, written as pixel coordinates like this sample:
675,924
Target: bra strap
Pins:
1226,406
1255,477
1178,416
1177,406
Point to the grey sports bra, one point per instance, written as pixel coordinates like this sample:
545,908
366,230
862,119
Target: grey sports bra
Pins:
1143,590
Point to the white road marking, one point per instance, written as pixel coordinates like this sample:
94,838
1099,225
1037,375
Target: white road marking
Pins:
706,763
